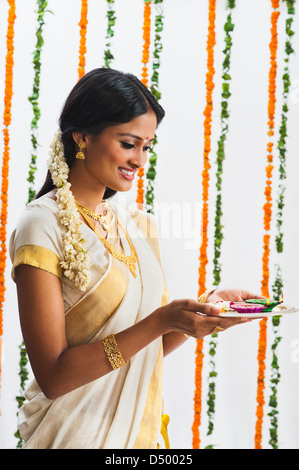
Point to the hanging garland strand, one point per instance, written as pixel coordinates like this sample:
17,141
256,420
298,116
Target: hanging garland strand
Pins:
275,374
144,74
42,5
24,375
267,225
83,29
205,190
151,172
218,236
278,284
146,38
6,155
283,127
108,56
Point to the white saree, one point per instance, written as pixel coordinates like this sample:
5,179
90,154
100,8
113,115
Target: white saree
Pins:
121,410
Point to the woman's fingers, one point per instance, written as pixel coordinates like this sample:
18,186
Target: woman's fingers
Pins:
249,295
197,307
212,324
234,295
209,310
235,321
199,320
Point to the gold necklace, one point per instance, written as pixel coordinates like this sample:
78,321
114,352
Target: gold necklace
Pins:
129,260
98,217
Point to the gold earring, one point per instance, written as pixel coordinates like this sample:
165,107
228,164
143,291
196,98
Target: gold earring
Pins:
80,155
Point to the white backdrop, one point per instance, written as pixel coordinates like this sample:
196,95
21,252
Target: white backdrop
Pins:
178,188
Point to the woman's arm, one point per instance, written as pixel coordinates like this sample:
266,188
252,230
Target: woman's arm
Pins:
59,369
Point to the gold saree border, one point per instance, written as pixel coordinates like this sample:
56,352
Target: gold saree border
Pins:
39,257
147,434
85,318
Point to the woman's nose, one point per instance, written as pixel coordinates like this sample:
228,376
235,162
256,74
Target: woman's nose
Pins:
139,158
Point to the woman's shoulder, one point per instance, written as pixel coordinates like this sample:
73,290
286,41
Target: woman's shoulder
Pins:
37,239
39,221
44,207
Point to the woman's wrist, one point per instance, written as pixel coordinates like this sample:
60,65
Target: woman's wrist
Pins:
160,315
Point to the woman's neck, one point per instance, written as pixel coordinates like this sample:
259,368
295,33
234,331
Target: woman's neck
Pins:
86,193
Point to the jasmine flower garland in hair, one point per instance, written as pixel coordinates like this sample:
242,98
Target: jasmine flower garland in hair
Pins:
76,264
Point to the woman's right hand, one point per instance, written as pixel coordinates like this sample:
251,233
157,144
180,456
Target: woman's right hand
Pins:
193,318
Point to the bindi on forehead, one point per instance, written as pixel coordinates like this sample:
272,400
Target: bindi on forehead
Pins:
147,139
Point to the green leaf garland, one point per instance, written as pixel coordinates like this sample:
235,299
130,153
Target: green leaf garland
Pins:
218,235
151,172
42,5
23,374
108,56
278,283
275,374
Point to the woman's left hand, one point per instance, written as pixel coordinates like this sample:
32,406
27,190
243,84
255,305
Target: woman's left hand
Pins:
233,295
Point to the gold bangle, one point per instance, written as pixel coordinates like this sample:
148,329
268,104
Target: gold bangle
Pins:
113,354
203,298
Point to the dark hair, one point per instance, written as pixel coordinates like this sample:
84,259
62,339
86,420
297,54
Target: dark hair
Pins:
102,98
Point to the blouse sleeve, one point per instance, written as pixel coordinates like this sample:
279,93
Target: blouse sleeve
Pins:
37,241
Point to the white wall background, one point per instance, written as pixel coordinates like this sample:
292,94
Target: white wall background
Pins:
178,188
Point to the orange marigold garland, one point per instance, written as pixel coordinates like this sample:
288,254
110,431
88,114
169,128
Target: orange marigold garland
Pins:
83,28
5,162
267,225
146,40
205,193
145,59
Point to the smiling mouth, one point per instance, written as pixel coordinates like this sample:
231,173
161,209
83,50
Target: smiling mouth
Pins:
128,174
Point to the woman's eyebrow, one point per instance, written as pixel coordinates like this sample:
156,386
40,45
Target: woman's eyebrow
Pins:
135,136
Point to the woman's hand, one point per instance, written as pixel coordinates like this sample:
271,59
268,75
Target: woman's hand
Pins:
195,319
233,295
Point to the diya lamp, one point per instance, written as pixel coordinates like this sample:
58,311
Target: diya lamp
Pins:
268,303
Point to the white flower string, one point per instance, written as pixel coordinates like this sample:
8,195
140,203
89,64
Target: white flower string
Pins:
76,263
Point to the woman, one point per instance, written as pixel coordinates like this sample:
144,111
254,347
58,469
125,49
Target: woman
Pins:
92,298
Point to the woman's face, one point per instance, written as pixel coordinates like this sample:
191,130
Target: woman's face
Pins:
113,158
